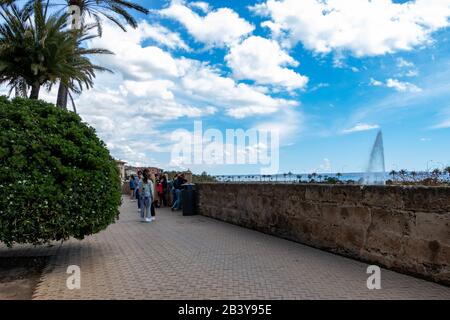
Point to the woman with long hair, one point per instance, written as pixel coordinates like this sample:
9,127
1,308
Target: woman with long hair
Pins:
155,197
147,197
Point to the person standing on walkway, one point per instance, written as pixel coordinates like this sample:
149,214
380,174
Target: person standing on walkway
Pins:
163,189
173,195
147,192
178,185
160,190
132,188
137,190
155,197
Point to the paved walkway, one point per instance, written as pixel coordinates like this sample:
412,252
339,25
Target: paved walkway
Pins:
180,257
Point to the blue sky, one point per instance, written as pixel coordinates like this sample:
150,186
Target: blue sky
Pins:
328,74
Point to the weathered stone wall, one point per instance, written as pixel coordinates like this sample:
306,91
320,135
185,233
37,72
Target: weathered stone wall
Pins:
406,229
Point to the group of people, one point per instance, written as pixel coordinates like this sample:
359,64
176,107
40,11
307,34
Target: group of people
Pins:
152,191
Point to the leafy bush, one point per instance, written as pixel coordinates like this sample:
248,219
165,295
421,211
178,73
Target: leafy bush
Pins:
57,179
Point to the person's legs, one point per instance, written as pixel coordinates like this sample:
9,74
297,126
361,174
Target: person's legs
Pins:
179,199
174,197
162,202
139,203
153,211
147,209
165,199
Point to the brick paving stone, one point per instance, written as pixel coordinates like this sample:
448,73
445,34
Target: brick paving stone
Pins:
196,257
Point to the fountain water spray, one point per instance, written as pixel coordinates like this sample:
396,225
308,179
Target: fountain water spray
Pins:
376,171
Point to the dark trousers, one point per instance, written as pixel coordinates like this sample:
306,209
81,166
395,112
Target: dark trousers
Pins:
152,209
138,198
163,197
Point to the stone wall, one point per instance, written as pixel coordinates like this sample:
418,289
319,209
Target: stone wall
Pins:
406,229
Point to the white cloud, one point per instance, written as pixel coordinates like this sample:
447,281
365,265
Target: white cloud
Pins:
361,127
443,125
319,86
162,35
219,27
152,74
132,59
443,119
363,27
410,73
397,85
151,88
376,83
263,61
402,86
239,100
325,167
289,123
410,67
402,63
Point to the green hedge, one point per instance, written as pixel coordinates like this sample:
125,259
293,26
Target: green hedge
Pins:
57,179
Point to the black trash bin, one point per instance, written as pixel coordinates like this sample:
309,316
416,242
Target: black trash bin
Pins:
188,195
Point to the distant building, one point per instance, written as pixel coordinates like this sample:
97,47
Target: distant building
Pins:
121,166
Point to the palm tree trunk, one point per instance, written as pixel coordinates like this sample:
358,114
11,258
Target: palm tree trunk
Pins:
63,91
35,91
61,101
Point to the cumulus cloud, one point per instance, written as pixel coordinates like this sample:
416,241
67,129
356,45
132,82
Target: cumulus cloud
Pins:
361,127
151,87
402,63
131,58
402,86
410,73
363,27
152,74
263,61
219,27
397,85
239,100
376,83
163,36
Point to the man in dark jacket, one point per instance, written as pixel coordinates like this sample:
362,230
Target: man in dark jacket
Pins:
178,186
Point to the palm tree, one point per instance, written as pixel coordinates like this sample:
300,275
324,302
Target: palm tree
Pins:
402,174
37,50
113,10
436,173
447,170
393,173
72,78
290,174
106,8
